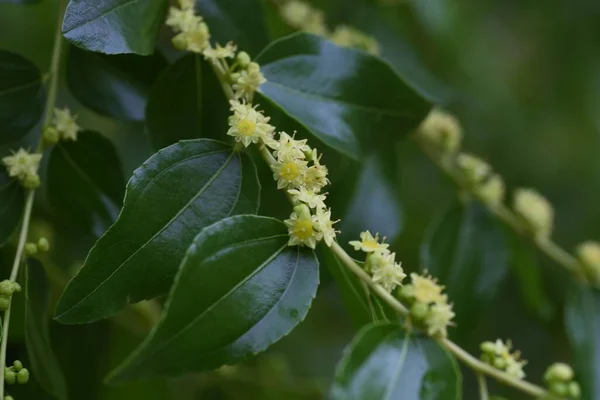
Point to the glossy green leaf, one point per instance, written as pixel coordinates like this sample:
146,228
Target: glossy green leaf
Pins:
170,198
20,96
239,289
582,318
374,203
361,304
11,206
186,102
20,1
383,363
44,364
233,20
350,100
86,183
115,86
114,26
526,268
467,250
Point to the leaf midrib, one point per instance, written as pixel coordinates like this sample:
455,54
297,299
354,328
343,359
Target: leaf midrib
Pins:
200,192
20,87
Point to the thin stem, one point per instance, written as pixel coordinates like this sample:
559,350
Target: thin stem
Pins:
483,390
545,245
30,195
469,360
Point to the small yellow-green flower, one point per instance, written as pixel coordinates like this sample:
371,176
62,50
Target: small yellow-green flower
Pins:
301,228
369,243
22,164
247,125
442,130
219,52
439,318
324,224
66,124
385,271
427,290
308,197
289,173
535,210
248,82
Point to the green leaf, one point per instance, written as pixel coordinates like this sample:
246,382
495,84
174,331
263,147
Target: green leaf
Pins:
240,288
170,198
525,267
44,364
20,96
373,203
114,26
186,102
11,206
85,182
467,250
361,304
115,86
239,21
383,362
20,1
350,100
582,320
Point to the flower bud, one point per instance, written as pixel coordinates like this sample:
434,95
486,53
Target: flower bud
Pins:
180,42
31,249
43,244
4,303
7,288
16,286
31,181
18,365
488,347
535,211
419,310
406,292
8,398
243,59
559,388
235,76
574,390
588,254
492,191
559,372
253,67
302,210
23,376
442,130
51,136
473,168
9,376
499,363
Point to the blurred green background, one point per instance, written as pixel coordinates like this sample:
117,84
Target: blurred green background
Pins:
523,77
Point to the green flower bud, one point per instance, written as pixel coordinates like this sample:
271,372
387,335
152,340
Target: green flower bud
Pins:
253,67
406,292
51,136
559,388
180,42
31,181
43,244
559,372
31,249
8,398
499,363
23,376
235,76
7,288
488,347
302,210
574,391
9,376
4,303
419,310
16,286
17,365
243,59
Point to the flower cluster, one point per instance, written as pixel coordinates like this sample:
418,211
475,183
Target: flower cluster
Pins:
16,374
535,211
588,254
559,378
380,262
498,355
192,31
442,130
428,304
303,16
296,166
23,166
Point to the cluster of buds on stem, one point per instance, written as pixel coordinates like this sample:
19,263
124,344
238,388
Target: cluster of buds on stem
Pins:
301,15
498,355
23,166
296,166
560,380
429,307
16,374
7,288
32,249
